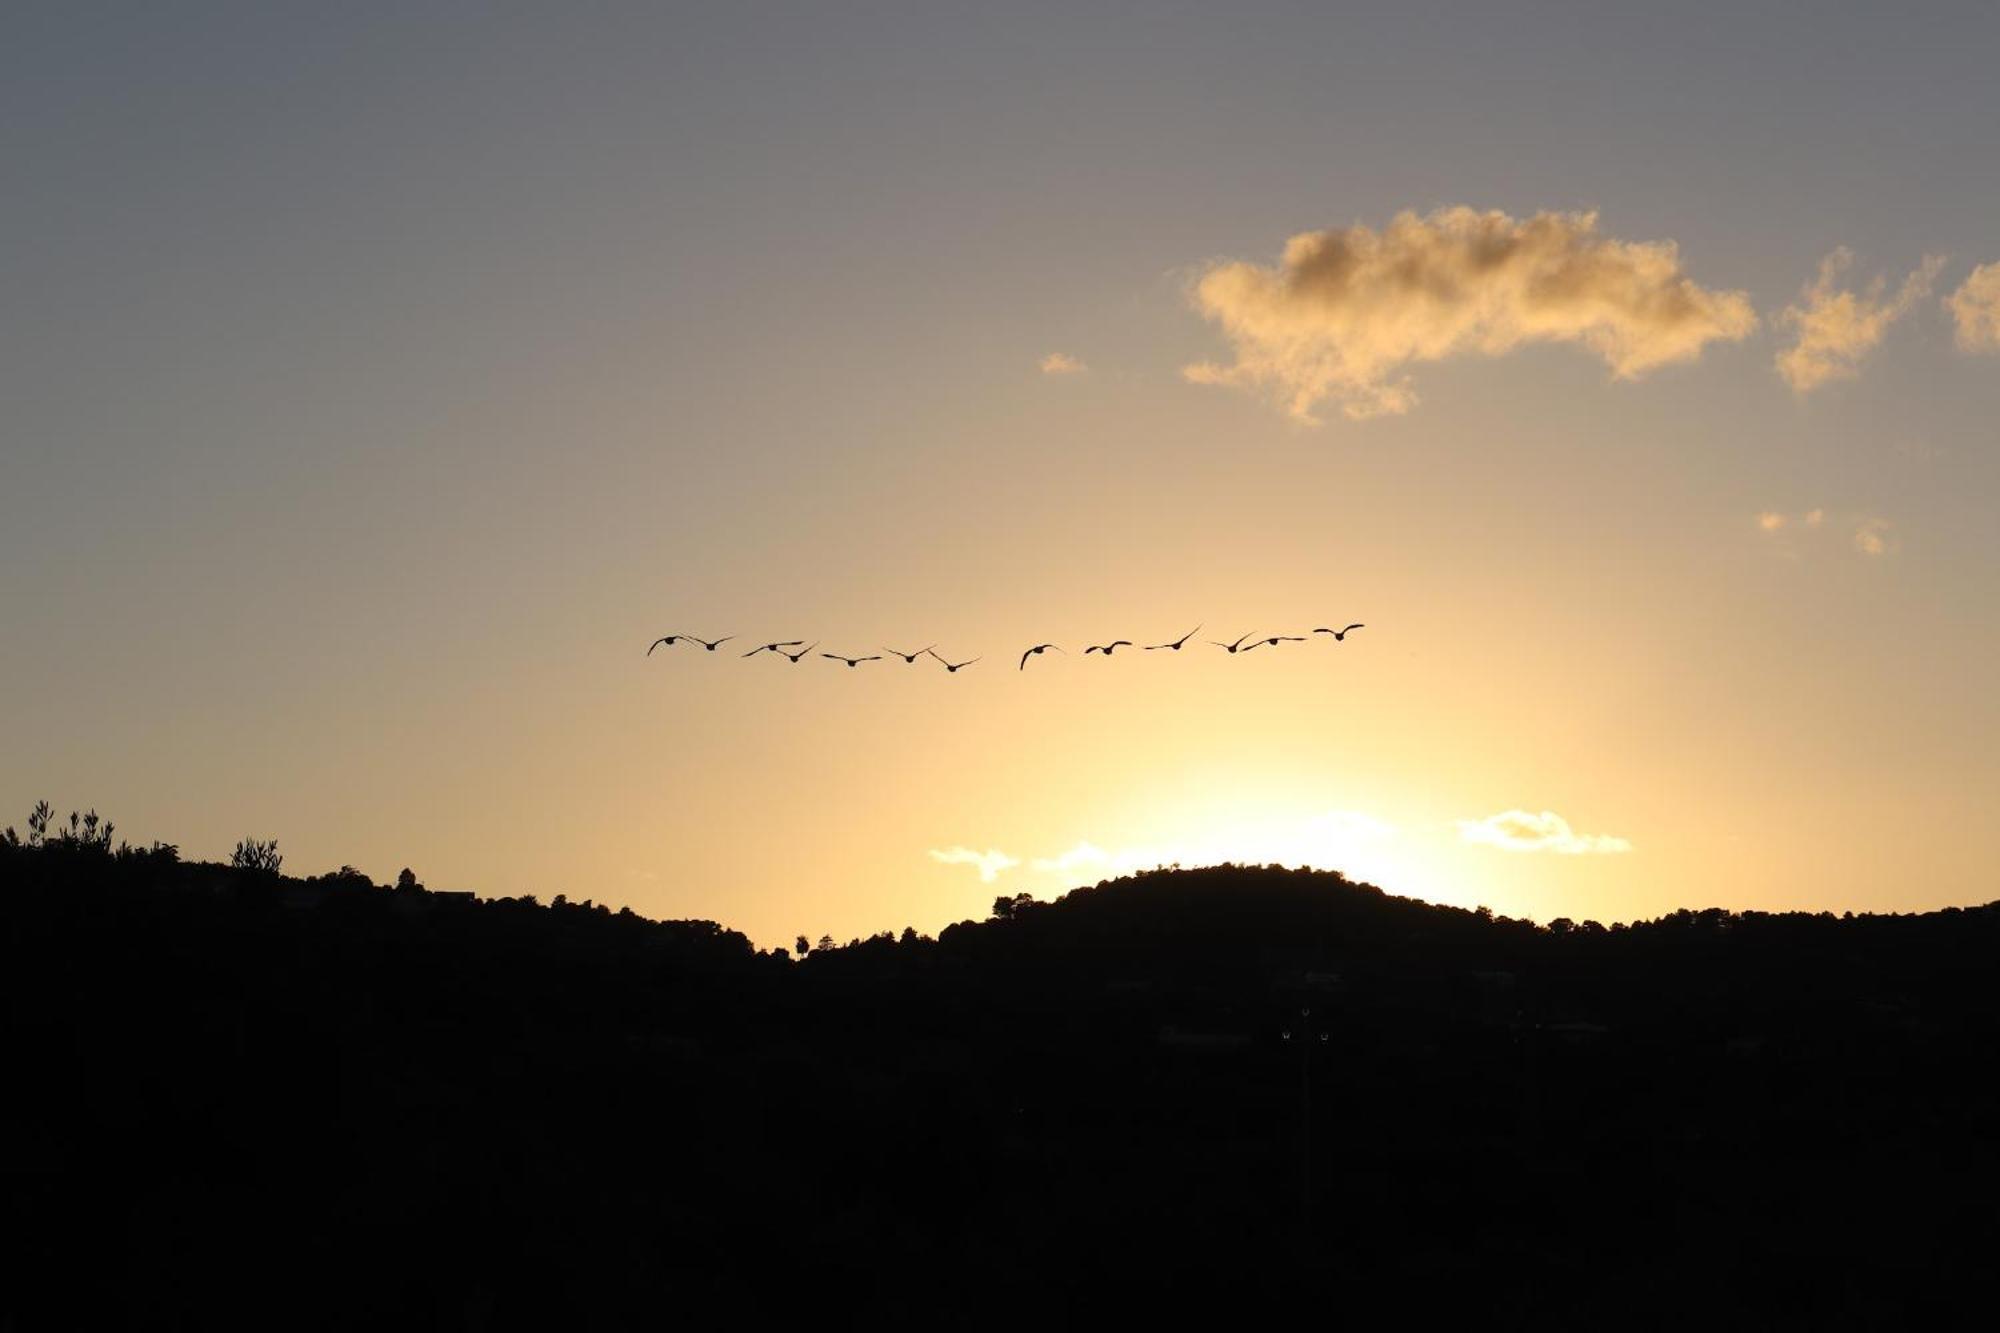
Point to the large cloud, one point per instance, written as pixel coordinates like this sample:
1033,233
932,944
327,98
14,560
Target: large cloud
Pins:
1344,313
1837,326
1526,831
1975,309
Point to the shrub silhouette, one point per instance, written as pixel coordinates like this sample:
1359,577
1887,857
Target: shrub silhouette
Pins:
262,857
85,833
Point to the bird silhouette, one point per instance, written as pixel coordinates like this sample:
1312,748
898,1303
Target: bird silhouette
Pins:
1340,634
853,661
1236,647
954,666
774,647
706,644
1035,651
793,658
1176,644
1277,638
1107,648
670,640
910,658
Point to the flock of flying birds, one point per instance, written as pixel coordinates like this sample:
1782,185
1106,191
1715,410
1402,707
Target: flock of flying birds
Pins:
1242,645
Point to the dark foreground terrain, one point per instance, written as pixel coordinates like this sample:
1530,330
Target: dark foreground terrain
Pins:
241,1099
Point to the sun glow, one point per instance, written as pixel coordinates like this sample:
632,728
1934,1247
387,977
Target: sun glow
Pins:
1359,845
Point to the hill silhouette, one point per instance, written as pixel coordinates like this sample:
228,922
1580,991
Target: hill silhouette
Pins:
246,1098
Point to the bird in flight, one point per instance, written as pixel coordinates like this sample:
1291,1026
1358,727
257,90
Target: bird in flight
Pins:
954,666
1277,638
1236,647
1035,651
794,657
670,640
775,647
910,658
1176,644
853,661
1107,648
711,646
1340,634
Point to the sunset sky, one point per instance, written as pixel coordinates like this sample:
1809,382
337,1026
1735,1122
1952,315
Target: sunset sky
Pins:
379,384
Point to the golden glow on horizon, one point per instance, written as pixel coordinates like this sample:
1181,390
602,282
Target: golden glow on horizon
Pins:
1616,579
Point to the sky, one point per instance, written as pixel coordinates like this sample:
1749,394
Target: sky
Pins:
380,380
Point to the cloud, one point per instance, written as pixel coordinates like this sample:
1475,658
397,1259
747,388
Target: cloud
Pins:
989,862
1975,309
1061,363
1525,831
1870,535
1083,854
1837,327
1773,521
1345,312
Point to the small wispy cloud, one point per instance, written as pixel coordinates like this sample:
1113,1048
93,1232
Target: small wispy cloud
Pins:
1975,310
1077,857
1836,326
1527,831
1061,363
1869,534
1873,537
988,863
1344,313
1772,520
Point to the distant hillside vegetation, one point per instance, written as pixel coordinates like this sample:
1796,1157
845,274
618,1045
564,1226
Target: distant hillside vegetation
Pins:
246,1098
